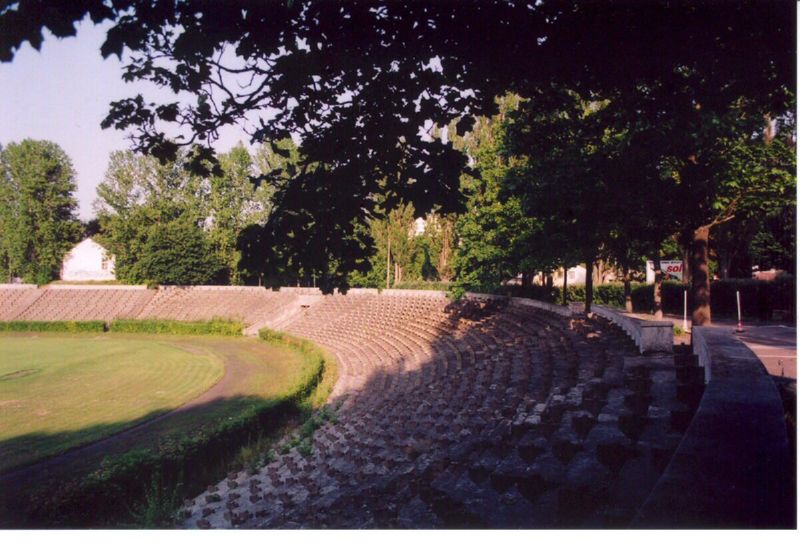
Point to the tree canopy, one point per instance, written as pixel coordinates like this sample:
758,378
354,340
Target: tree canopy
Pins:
358,81
38,210
141,196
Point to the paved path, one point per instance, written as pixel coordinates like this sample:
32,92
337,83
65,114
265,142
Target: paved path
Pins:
774,344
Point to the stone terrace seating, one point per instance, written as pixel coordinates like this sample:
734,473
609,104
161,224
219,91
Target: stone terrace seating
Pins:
464,414
93,303
14,300
250,305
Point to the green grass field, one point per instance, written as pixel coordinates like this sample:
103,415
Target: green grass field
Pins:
58,391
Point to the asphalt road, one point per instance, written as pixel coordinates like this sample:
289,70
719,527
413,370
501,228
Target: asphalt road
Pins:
775,346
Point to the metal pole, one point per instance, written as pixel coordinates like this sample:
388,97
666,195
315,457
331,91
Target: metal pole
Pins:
685,307
739,327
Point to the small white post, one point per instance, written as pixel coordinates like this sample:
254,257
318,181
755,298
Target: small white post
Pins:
685,308
739,327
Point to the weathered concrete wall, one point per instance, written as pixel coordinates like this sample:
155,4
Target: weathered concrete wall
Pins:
552,308
649,336
745,484
411,292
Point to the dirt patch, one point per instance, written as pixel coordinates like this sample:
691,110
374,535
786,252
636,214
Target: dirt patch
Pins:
19,374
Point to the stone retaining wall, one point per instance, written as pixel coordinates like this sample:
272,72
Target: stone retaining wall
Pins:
301,290
358,291
94,287
521,302
412,292
649,336
747,483
553,308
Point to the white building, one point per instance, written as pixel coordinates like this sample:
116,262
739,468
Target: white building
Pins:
88,261
575,276
419,226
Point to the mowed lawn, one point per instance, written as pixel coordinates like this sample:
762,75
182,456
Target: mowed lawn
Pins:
58,391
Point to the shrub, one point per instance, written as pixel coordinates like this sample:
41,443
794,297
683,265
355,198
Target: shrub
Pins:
52,326
160,505
758,298
671,297
423,285
215,327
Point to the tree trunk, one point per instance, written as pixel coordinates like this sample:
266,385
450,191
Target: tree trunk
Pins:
549,280
686,266
526,280
598,270
701,282
658,310
564,292
589,291
388,257
627,286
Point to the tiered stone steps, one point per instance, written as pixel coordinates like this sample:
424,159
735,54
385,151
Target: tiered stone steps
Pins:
464,415
14,300
62,304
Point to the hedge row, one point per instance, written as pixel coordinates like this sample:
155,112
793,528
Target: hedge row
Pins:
216,327
759,298
423,285
52,326
108,495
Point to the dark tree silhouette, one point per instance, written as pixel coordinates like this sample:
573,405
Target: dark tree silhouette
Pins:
357,80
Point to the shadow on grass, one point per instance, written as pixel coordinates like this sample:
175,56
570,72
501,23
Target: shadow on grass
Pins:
102,483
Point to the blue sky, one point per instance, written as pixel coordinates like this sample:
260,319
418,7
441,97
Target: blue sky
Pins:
62,92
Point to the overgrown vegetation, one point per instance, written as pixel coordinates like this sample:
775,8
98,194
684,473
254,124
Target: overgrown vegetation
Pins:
215,327
52,326
157,509
123,490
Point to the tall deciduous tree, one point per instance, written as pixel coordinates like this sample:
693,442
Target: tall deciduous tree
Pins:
139,196
357,80
233,204
495,240
559,147
38,222
439,240
739,175
179,253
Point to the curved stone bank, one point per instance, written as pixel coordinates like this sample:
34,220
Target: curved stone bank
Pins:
486,412
490,411
733,468
651,336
